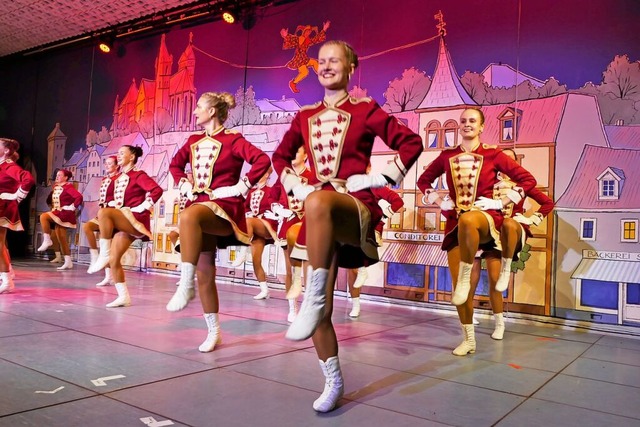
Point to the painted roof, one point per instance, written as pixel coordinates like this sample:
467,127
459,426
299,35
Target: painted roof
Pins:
287,104
134,139
152,163
76,158
582,192
623,136
446,90
266,106
540,119
91,190
56,132
503,75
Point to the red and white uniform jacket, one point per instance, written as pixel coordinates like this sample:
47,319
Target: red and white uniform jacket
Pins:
289,201
216,161
13,180
394,201
131,189
65,195
469,176
505,184
338,141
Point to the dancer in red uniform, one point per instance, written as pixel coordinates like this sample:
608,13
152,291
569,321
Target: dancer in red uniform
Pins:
15,184
93,226
493,257
390,203
262,226
66,200
340,210
126,218
215,215
474,217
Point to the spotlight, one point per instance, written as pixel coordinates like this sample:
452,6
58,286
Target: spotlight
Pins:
229,17
105,46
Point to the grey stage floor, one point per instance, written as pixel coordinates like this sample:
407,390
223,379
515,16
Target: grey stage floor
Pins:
66,360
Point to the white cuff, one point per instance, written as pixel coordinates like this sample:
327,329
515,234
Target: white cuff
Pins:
289,179
433,197
395,170
514,196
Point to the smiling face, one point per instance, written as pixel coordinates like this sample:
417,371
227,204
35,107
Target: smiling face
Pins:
333,70
125,157
471,125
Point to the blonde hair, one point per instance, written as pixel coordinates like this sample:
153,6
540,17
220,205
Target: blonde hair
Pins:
221,101
349,53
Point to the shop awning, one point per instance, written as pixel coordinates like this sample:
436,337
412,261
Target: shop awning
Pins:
608,271
414,253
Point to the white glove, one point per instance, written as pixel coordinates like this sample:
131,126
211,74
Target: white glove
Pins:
186,190
486,204
362,181
112,204
536,218
8,196
239,189
522,219
68,208
447,205
281,211
270,215
144,206
301,191
386,208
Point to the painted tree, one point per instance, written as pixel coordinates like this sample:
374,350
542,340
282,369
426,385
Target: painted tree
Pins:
92,138
104,135
164,121
550,88
621,79
406,93
476,86
246,112
146,125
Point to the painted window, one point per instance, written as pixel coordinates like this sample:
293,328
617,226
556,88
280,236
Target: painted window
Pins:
587,229
396,221
167,244
629,230
597,294
633,293
509,125
411,275
159,239
161,209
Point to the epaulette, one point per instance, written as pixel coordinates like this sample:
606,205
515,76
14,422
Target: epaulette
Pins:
311,107
366,99
231,131
489,147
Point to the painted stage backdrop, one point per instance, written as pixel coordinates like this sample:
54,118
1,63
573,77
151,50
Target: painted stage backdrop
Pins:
557,81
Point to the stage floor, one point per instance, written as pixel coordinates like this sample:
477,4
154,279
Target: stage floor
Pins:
66,360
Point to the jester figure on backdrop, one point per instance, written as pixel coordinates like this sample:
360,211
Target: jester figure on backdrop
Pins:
304,37
15,184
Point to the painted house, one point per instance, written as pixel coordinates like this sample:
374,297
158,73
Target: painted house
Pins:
597,264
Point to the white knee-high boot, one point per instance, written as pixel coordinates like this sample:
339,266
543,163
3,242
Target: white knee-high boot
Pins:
463,285
186,290
213,335
296,283
93,253
6,283
68,264
293,309
57,258
107,278
312,309
468,345
333,385
264,291
104,258
355,308
361,277
505,274
498,332
123,300
240,258
46,242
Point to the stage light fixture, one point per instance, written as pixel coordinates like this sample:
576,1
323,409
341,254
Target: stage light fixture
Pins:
229,16
105,46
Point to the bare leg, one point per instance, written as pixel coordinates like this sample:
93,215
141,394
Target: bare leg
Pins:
61,233
89,228
119,245
5,261
206,271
